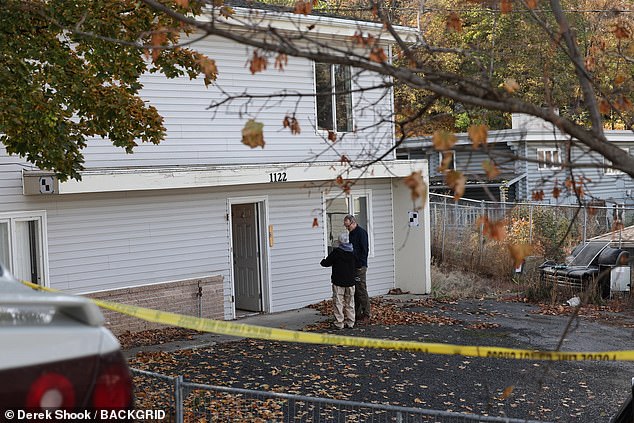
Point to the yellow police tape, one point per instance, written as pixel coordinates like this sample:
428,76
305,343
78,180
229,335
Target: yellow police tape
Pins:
260,332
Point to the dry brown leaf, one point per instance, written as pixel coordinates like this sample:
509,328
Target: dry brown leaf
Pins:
377,54
257,63
417,186
281,61
253,134
491,169
456,181
604,106
303,7
519,252
531,4
315,222
332,136
621,32
443,140
227,11
493,229
511,85
292,123
538,195
447,158
506,6
507,392
454,23
207,67
478,135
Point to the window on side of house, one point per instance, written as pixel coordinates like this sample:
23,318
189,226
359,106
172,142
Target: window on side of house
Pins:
610,170
334,97
22,246
450,157
549,158
337,207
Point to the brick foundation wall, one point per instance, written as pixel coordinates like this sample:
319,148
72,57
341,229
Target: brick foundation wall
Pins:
176,297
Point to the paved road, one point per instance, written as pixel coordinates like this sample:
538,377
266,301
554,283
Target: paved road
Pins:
558,391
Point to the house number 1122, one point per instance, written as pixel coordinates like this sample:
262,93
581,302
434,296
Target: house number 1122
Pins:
277,177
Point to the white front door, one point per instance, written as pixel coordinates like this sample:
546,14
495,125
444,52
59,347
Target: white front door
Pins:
246,256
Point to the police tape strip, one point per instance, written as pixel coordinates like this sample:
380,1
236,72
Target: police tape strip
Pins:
273,334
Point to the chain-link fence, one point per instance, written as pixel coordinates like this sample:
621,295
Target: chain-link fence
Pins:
186,402
458,230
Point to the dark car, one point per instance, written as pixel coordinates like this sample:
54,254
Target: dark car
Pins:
56,355
591,264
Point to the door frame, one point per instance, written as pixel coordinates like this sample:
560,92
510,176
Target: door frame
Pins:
262,211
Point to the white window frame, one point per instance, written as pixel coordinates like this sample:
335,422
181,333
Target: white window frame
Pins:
42,259
453,158
541,165
611,171
333,100
350,199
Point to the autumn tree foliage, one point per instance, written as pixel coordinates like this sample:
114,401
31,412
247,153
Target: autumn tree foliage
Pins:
70,70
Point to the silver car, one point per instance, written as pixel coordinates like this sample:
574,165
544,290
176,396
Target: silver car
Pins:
55,354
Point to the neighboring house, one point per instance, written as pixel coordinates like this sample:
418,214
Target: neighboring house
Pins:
206,226
544,148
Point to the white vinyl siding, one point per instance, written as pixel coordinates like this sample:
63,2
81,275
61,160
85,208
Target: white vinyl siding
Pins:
198,136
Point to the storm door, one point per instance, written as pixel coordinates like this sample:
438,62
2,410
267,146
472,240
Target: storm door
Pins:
246,257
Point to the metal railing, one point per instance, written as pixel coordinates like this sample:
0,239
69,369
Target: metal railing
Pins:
186,402
457,231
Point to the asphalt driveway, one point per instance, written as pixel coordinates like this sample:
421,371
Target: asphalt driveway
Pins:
589,391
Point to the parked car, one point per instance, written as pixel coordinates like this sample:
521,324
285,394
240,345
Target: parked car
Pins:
593,264
55,354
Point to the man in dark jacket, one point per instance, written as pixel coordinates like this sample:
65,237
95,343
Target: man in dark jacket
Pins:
359,241
342,261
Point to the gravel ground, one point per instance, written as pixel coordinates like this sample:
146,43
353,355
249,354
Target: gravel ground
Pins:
589,391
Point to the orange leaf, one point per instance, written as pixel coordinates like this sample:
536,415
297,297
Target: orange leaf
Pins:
456,181
604,106
491,169
454,22
507,392
519,252
447,158
556,192
506,6
159,38
227,11
531,4
303,7
417,186
443,140
315,222
621,32
281,61
538,195
478,135
182,3
207,67
493,229
293,124
511,85
253,134
623,104
377,54
257,63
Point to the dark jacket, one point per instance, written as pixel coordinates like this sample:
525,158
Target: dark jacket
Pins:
343,266
359,241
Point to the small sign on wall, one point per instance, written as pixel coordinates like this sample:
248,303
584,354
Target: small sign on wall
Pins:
413,218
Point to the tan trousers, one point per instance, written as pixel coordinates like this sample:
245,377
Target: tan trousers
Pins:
343,302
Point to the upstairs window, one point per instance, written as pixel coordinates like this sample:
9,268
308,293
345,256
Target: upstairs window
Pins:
334,97
549,158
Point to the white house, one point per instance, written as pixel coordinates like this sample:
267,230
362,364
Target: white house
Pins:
206,226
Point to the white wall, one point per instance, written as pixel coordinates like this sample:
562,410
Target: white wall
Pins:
195,136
